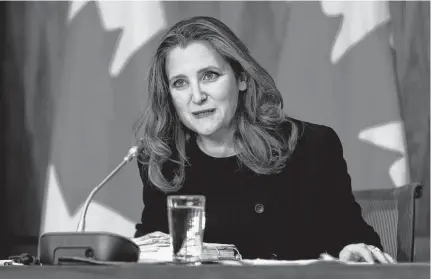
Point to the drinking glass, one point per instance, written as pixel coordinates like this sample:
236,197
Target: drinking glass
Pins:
186,215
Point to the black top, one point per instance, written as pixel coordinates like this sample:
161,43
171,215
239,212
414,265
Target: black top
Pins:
300,213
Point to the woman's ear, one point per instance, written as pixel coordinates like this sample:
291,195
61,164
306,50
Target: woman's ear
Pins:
242,82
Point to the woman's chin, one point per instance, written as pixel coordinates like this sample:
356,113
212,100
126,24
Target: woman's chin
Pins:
204,130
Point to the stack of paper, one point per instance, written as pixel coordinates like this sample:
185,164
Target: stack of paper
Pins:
219,251
156,247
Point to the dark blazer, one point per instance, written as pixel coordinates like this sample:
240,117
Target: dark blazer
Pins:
300,213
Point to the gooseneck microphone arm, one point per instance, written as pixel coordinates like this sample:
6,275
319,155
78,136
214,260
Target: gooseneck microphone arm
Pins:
133,152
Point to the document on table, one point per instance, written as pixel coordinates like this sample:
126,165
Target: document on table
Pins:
156,248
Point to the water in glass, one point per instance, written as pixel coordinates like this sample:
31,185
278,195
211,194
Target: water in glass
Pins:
186,215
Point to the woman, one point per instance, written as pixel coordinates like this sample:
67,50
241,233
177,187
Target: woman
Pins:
215,126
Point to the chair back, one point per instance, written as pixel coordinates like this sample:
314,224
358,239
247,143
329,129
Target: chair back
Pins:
391,212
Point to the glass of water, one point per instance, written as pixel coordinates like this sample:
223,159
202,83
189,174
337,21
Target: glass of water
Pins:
186,215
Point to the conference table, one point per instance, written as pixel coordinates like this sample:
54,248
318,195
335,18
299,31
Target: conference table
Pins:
214,271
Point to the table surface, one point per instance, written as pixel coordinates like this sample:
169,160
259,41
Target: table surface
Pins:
212,271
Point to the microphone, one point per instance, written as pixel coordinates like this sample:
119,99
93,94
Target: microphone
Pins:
63,247
133,152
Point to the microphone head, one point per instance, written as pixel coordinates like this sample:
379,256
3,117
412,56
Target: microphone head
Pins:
134,150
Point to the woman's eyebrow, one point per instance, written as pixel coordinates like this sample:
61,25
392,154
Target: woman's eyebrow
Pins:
200,71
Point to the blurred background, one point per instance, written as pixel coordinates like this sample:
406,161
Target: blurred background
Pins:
73,83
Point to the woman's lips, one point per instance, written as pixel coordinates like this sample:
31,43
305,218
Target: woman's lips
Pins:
203,113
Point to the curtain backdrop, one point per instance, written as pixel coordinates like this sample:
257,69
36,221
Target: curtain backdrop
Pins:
73,84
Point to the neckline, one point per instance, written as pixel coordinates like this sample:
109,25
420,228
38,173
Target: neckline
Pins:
202,154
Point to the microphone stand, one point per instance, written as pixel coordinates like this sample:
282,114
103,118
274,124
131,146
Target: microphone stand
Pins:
81,246
133,152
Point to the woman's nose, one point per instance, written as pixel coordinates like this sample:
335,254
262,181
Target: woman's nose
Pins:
198,96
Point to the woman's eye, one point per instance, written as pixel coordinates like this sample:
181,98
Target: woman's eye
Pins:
179,83
210,75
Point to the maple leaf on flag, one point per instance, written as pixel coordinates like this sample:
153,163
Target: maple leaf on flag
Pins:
359,19
355,92
101,98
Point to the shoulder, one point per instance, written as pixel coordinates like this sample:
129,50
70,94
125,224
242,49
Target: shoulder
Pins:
313,136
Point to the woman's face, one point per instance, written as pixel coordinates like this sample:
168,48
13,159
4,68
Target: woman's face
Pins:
203,88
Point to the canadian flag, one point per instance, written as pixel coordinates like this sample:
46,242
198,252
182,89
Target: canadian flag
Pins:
333,65
93,128
359,19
